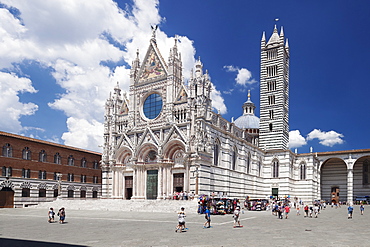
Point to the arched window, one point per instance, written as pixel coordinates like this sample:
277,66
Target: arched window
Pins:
71,160
234,158
6,171
302,169
70,177
57,159
83,162
95,164
7,150
259,168
26,153
216,152
26,173
42,156
249,163
275,169
42,174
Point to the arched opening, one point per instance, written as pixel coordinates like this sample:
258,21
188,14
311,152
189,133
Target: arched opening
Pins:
6,197
334,180
361,180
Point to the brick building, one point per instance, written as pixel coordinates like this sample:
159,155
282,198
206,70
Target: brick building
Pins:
34,171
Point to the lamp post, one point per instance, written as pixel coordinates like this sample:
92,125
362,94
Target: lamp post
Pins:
59,176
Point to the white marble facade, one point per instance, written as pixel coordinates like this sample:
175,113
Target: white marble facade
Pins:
162,136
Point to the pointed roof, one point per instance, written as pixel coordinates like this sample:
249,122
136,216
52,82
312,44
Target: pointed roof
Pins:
275,38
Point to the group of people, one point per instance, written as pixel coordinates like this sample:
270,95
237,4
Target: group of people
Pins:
183,195
181,226
61,213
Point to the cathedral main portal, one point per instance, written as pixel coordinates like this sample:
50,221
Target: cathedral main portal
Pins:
152,184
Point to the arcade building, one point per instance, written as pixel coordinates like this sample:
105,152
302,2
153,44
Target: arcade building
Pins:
162,136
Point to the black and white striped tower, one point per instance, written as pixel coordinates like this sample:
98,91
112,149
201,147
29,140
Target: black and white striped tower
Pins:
274,92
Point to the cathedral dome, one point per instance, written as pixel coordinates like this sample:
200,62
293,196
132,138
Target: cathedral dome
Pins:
248,120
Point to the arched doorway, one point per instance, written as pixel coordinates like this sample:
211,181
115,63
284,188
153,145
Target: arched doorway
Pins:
334,180
6,197
361,179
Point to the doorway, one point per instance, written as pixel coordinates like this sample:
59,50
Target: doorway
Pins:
152,184
6,198
129,181
178,182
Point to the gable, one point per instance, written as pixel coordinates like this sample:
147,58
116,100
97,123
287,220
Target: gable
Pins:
182,96
153,65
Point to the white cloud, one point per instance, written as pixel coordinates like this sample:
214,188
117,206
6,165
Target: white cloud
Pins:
11,109
243,77
296,140
217,101
74,38
329,138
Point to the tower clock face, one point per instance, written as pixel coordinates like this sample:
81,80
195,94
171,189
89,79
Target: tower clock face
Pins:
152,106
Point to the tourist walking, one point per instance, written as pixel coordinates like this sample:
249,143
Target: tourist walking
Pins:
181,220
316,210
236,217
62,215
51,214
207,215
362,209
287,210
280,212
350,211
298,208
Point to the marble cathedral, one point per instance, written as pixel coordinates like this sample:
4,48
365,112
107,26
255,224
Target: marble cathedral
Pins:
163,137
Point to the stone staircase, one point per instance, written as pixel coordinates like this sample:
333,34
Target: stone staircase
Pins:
122,205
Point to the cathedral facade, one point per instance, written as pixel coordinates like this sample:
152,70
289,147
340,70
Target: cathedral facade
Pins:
163,137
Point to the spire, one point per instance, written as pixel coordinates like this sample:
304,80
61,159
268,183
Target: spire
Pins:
287,43
198,68
274,37
263,36
281,32
175,46
249,95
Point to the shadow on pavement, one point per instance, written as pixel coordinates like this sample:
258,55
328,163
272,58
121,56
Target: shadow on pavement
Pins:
7,242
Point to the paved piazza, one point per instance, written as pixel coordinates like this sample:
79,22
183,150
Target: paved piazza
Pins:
29,227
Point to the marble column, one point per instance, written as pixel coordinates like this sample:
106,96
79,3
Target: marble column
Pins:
350,185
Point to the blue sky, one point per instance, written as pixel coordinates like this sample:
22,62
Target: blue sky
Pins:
60,59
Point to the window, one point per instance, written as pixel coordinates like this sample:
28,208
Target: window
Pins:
95,179
366,172
57,159
272,70
7,150
259,168
56,192
275,169
271,114
70,177
95,164
233,159
271,99
302,170
42,192
152,106
271,85
26,192
6,171
249,163
42,174
83,178
216,152
71,160
270,127
83,162
95,194
26,153
272,54
26,173
42,156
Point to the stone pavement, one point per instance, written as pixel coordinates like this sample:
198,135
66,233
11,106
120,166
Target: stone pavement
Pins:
29,227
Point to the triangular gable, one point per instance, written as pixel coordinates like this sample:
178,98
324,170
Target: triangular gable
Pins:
148,137
182,96
125,141
175,133
124,108
153,64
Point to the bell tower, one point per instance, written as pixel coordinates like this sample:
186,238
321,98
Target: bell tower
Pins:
274,92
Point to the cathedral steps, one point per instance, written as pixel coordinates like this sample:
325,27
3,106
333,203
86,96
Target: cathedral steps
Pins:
122,205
